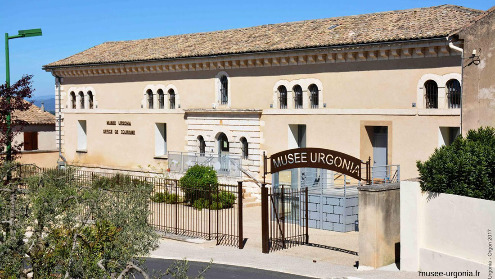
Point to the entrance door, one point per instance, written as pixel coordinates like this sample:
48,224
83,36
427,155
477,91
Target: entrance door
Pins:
380,152
223,152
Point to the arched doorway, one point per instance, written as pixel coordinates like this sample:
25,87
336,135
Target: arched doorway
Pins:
223,151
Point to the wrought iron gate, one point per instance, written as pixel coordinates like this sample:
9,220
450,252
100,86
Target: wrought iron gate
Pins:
284,218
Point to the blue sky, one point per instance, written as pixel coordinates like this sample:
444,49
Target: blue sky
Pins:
73,26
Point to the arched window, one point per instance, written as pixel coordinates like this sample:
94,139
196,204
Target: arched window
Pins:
73,100
298,96
224,90
244,148
202,146
81,100
223,144
431,94
313,89
149,94
282,96
90,100
171,98
161,99
454,93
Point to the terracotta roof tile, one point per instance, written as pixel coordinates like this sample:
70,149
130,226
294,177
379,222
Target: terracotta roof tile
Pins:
410,24
34,116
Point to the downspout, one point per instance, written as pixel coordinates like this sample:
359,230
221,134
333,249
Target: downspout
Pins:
61,162
456,48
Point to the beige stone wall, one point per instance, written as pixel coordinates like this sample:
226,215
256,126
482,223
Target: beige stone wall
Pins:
352,93
478,96
42,159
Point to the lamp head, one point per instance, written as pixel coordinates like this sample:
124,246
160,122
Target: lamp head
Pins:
30,32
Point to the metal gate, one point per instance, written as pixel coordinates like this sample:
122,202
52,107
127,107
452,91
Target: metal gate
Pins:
285,217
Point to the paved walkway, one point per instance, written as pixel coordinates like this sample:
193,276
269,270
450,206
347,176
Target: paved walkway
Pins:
330,255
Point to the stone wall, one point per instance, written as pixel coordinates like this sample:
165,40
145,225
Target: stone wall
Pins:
334,213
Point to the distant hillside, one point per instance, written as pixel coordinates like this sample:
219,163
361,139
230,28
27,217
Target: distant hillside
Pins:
48,102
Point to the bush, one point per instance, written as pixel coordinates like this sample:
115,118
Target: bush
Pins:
166,198
465,168
223,200
198,182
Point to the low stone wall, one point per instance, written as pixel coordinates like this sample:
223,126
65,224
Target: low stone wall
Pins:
334,213
446,233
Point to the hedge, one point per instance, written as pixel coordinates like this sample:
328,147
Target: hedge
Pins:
465,168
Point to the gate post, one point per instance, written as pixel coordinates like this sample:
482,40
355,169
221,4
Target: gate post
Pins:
282,214
264,219
306,203
239,215
176,207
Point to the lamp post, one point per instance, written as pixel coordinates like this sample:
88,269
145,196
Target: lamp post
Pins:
21,34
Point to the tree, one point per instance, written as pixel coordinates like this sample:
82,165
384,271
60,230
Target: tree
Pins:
13,98
67,227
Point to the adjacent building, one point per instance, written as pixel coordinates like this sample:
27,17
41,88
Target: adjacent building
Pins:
384,85
478,101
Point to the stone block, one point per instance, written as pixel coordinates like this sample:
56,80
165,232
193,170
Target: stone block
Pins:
314,215
339,210
327,226
334,218
314,198
315,224
328,208
339,227
333,200
313,207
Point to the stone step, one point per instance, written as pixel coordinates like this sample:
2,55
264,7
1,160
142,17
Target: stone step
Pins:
250,199
251,204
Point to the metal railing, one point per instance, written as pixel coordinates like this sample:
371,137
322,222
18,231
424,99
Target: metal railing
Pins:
284,214
203,211
385,174
224,165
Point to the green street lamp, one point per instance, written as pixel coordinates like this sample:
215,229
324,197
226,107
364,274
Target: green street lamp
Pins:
21,34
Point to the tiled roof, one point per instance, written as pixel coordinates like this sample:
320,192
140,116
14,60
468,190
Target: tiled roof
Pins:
474,20
34,116
399,25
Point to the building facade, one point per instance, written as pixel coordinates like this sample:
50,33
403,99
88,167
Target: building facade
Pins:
381,85
478,40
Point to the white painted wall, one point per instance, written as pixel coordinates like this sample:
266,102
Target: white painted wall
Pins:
442,232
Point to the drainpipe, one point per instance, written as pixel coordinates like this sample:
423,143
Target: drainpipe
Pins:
61,162
456,48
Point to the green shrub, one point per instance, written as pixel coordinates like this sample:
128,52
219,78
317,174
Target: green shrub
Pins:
117,181
466,167
223,200
166,198
198,182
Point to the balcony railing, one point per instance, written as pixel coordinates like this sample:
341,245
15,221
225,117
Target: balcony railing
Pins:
225,165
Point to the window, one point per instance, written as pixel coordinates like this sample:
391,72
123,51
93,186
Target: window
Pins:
223,144
313,89
82,144
202,146
171,98
454,93
244,148
224,90
149,94
160,139
73,100
30,140
81,100
282,96
448,135
90,100
161,99
298,98
431,94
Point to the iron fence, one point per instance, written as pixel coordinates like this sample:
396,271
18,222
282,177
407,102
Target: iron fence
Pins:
285,218
203,211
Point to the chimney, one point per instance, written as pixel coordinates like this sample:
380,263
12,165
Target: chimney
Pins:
42,107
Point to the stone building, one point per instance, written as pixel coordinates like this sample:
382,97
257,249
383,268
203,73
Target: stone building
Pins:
478,98
37,136
382,85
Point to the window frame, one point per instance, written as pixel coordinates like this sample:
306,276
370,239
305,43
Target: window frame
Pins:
431,94
298,96
450,86
149,99
314,96
282,96
171,98
81,100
